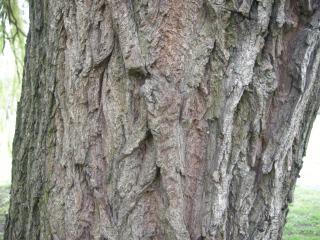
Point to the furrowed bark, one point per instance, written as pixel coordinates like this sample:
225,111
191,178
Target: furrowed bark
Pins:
163,119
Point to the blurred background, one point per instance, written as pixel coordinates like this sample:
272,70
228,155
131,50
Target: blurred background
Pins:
304,216
13,28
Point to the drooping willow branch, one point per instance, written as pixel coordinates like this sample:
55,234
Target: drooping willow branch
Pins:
11,30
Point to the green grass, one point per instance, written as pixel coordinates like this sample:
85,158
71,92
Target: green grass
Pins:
4,205
303,221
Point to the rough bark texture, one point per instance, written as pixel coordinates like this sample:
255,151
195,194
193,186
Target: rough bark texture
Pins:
163,119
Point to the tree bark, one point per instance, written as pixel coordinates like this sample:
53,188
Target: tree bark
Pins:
163,119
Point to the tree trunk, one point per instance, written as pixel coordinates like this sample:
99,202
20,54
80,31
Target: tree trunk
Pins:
163,119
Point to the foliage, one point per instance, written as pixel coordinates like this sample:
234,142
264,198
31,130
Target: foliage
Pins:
12,31
12,41
11,25
12,36
303,221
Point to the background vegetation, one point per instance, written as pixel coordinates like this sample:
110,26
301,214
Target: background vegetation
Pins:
303,222
13,26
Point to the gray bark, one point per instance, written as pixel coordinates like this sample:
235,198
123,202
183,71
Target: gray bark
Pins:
163,119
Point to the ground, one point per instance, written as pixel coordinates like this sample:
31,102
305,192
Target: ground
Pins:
303,222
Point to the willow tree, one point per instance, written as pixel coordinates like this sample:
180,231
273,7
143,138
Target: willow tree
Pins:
12,28
12,38
163,119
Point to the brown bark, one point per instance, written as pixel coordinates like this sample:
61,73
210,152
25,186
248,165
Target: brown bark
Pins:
163,119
